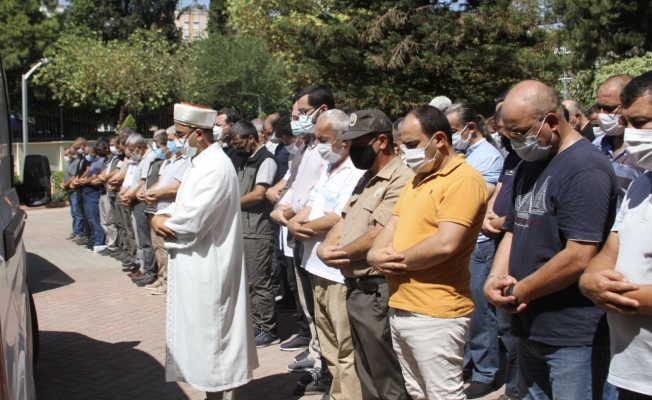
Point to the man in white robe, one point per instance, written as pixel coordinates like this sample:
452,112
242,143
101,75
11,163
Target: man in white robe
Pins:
209,336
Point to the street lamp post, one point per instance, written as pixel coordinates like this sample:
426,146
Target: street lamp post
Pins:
25,117
565,80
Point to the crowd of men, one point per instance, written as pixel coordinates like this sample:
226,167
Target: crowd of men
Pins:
411,250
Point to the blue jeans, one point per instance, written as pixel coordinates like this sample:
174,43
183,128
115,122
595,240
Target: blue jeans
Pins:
75,213
561,373
511,345
482,351
92,209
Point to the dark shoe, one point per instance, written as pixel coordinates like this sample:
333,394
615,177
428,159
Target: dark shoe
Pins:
478,389
120,255
302,365
82,241
130,269
135,274
304,354
128,262
264,339
297,343
317,385
146,281
105,252
506,397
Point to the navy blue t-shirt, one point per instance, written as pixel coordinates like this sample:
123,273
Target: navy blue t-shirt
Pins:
571,197
283,158
503,198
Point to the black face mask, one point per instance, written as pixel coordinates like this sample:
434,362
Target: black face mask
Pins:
242,152
363,157
121,156
507,144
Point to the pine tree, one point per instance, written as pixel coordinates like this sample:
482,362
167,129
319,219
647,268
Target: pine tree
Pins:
218,17
604,31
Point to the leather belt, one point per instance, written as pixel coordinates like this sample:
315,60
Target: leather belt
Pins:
366,284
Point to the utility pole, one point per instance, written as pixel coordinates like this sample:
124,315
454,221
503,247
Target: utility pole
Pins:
565,79
24,79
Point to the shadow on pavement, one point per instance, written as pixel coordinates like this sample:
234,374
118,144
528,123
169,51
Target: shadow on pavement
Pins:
75,366
43,275
272,387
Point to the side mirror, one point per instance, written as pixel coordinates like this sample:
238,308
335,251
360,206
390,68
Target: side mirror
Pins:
37,186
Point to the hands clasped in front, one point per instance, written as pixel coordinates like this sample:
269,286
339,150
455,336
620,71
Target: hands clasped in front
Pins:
495,290
606,288
387,261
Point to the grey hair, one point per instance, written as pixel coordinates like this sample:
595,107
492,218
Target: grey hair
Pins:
258,124
441,102
161,138
467,114
338,119
136,139
171,129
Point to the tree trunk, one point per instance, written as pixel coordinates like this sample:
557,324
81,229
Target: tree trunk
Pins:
121,117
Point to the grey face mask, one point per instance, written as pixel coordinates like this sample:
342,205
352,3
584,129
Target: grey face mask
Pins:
529,150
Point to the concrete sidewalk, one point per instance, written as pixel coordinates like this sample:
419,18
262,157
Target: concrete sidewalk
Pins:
102,337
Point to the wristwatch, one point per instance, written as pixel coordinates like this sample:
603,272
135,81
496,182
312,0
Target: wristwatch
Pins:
508,293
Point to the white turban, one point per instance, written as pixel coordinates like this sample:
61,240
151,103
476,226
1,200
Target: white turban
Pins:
194,115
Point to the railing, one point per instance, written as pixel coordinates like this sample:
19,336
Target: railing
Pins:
57,124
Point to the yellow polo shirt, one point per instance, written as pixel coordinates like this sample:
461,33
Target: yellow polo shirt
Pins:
456,194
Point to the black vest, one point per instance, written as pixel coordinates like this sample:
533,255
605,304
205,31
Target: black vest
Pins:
256,221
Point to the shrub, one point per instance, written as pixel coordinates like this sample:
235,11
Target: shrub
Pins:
59,194
129,122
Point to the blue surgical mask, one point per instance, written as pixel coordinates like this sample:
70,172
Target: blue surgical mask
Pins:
89,158
159,154
304,125
172,147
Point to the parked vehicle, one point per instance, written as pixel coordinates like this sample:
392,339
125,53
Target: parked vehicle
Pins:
18,321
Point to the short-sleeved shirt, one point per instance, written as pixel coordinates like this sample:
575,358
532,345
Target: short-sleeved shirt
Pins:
371,203
71,170
484,157
631,335
174,169
626,170
266,174
129,176
329,195
570,197
95,168
506,178
455,194
308,174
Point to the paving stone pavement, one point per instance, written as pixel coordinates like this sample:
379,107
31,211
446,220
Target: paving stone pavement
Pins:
102,337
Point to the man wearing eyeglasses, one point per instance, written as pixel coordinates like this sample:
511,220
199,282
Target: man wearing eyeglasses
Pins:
562,207
613,125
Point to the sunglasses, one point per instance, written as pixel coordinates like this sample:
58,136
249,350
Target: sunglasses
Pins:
521,136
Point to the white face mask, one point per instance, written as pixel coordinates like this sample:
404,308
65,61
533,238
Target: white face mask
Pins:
609,124
597,132
80,151
292,148
178,143
458,143
114,150
272,138
186,149
639,146
530,149
304,125
66,158
217,133
416,158
326,152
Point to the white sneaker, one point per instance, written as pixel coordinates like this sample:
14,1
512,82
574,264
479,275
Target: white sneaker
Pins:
98,248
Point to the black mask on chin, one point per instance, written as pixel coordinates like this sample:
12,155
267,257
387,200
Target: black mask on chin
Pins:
363,157
243,152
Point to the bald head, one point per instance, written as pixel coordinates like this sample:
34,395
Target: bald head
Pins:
572,107
609,92
530,99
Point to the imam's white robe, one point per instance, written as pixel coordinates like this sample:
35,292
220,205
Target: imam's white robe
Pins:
209,335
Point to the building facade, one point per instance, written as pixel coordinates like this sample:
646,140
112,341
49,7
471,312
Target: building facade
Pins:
192,21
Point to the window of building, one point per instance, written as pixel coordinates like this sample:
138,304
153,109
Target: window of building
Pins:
195,25
186,25
195,37
185,37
